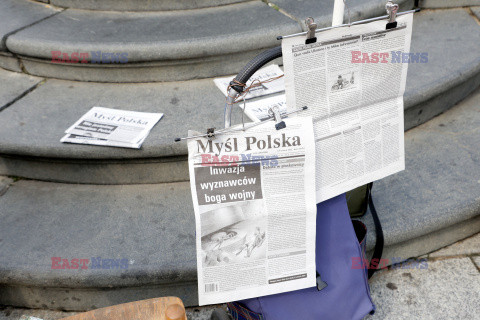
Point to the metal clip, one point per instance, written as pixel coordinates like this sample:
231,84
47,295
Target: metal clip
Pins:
275,113
211,133
312,26
392,9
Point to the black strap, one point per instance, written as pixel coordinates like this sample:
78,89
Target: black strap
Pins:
377,252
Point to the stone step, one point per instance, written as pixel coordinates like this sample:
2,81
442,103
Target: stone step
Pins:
139,5
159,45
432,88
434,202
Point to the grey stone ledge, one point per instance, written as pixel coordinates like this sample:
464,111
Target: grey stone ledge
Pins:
18,14
14,85
441,184
435,4
322,11
200,50
5,183
141,5
156,36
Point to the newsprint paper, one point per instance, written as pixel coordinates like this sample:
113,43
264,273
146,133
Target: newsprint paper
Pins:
112,127
254,199
352,80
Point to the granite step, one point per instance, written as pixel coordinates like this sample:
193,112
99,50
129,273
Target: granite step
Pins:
158,45
31,128
139,5
149,229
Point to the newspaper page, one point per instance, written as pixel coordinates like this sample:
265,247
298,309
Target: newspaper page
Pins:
255,233
73,138
128,127
268,72
352,80
257,110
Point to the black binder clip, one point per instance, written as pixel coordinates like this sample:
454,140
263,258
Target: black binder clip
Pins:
392,9
211,133
311,26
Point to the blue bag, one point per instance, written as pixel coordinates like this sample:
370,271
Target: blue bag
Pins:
346,295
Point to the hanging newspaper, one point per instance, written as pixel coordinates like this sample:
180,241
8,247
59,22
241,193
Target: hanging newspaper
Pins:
254,199
352,79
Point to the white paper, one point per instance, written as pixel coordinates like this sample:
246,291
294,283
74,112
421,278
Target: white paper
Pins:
258,110
270,71
357,108
115,125
255,234
72,138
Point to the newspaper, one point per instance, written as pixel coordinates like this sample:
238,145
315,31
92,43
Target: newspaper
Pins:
112,127
73,138
255,234
258,110
352,81
263,74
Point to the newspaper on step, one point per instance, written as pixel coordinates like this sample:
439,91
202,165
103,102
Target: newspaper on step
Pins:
255,233
112,127
352,79
257,110
268,72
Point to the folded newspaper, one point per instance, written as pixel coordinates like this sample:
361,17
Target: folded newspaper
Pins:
258,110
255,233
112,127
352,79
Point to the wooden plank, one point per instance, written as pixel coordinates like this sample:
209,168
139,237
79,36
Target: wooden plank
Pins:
166,308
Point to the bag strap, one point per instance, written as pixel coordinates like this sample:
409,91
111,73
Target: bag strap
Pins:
379,242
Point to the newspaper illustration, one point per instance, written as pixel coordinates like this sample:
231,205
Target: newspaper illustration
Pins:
112,127
352,80
271,71
255,234
257,110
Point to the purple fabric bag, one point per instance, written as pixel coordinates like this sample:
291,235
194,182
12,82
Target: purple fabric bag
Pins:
347,294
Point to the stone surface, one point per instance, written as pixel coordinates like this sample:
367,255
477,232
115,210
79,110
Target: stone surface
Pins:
441,184
152,226
432,4
476,260
448,289
186,105
157,71
18,14
476,11
140,5
5,183
465,247
322,11
443,236
9,62
156,36
450,37
13,86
